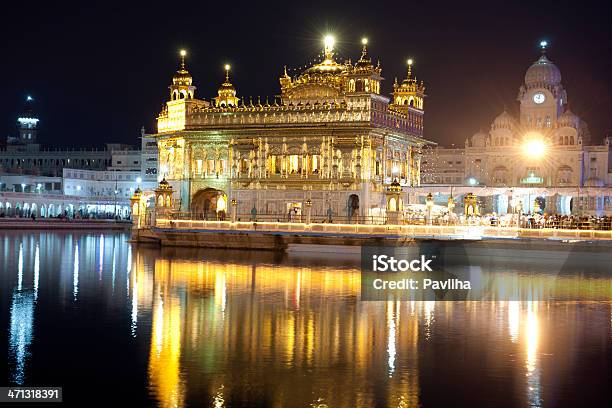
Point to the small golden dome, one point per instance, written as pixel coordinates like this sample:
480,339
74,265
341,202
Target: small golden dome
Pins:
182,76
164,184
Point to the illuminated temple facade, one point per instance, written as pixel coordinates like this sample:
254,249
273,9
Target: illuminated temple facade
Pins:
544,151
331,140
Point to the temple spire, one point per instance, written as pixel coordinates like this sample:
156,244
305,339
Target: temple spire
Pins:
364,51
183,53
410,62
329,42
227,69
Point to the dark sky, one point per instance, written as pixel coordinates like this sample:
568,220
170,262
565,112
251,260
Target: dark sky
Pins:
99,72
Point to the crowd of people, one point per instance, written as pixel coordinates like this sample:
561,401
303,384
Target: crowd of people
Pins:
536,220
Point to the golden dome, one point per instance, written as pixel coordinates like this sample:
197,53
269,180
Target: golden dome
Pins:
182,76
328,65
227,92
164,185
395,186
364,62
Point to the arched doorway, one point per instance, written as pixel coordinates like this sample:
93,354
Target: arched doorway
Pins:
209,203
352,206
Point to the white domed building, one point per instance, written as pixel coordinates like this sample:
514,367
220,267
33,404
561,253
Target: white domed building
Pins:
542,151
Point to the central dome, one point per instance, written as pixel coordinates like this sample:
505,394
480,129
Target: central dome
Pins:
328,66
542,73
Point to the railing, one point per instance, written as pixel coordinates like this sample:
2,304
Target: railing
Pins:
299,218
576,223
417,231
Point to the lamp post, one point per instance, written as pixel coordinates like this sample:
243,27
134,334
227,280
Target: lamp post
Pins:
308,210
429,203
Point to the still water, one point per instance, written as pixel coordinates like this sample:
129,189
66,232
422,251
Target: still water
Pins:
118,324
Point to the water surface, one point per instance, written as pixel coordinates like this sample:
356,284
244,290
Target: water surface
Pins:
117,323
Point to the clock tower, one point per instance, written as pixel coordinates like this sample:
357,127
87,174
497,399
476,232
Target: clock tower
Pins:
542,96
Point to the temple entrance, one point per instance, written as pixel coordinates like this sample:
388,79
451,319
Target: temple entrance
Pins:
352,206
209,204
294,212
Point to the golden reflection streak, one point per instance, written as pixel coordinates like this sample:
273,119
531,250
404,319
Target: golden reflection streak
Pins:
269,324
531,364
514,319
164,358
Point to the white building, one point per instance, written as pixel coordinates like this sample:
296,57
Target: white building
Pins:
543,152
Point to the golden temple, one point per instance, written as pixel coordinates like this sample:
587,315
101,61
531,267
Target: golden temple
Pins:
331,140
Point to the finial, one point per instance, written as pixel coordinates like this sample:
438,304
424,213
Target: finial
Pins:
285,68
329,42
410,62
364,51
543,45
227,68
183,54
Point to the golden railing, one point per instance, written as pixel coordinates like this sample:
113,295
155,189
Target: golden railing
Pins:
417,231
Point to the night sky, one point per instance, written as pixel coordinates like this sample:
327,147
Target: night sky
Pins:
100,72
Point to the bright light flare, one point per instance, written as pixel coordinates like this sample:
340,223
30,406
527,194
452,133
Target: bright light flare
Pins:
410,61
534,148
364,41
227,67
183,53
329,41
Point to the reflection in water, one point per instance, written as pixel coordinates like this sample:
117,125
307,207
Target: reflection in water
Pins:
532,365
36,270
218,328
22,318
75,272
514,315
20,267
164,359
391,337
101,255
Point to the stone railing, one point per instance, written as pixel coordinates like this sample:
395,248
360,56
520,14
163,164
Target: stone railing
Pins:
416,231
